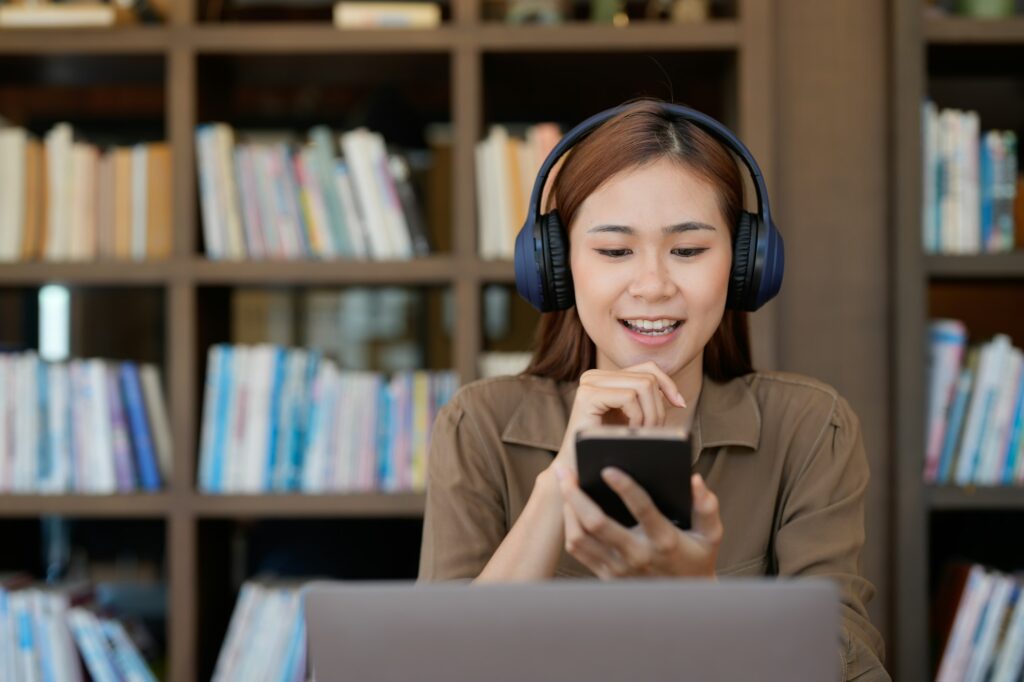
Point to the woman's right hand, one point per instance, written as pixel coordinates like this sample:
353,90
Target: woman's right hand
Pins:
634,396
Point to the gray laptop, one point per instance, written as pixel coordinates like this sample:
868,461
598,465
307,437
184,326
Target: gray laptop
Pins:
562,631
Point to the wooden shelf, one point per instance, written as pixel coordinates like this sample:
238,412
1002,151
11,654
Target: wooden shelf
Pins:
311,37
713,35
114,506
955,498
420,271
366,505
107,273
128,39
497,271
962,31
987,266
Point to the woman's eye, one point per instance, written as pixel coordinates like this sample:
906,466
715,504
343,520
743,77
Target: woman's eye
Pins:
688,253
613,253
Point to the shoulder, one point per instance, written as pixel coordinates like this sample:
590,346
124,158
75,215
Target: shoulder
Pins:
497,399
802,402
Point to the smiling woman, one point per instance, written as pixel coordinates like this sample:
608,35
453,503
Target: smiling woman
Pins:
646,288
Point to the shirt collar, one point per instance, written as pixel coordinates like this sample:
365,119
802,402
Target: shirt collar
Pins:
727,414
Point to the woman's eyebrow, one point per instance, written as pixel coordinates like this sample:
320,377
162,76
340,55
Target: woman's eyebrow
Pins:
688,226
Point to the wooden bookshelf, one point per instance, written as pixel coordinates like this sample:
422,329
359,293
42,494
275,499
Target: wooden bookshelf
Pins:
924,512
476,53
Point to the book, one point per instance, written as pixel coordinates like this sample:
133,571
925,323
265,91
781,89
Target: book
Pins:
377,14
57,15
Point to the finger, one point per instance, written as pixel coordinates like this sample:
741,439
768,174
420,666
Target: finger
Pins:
587,550
603,399
658,528
599,525
652,402
668,386
706,519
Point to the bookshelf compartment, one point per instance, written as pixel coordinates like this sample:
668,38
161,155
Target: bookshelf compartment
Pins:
292,551
526,88
405,98
595,11
509,325
983,78
116,565
280,11
987,307
108,99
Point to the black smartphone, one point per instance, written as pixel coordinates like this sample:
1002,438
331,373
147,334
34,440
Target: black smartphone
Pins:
657,458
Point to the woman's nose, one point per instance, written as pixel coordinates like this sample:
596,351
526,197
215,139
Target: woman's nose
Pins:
652,281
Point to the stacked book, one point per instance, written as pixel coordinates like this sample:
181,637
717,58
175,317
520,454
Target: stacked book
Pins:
975,409
42,637
276,200
377,14
65,199
506,168
266,638
985,639
289,420
970,184
86,426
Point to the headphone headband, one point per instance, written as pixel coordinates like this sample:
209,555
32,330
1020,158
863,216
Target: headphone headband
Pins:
714,127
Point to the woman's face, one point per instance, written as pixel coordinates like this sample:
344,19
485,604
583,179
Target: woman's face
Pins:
650,254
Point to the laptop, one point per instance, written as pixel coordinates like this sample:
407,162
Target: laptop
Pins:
561,631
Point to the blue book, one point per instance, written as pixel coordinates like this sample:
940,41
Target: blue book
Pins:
1016,433
213,360
956,422
142,439
222,412
296,644
986,186
44,643
277,384
45,450
384,464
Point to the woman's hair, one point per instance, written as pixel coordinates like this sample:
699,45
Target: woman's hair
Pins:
641,134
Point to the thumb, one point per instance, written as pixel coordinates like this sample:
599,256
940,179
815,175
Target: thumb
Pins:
706,520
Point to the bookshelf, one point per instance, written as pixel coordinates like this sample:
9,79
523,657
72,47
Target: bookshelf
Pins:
489,73
937,56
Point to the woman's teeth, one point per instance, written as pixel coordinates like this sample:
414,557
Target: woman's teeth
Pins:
652,327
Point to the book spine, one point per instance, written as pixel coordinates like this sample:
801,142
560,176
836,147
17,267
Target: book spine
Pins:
122,446
149,472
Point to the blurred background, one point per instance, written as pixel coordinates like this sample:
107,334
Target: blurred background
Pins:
219,215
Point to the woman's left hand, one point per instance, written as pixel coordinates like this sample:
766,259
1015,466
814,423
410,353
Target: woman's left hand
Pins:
654,547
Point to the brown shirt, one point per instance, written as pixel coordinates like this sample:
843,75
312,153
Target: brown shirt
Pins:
782,452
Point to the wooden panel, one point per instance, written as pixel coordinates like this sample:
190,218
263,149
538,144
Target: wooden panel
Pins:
833,312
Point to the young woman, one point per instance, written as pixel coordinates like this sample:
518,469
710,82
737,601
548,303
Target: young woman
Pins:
650,204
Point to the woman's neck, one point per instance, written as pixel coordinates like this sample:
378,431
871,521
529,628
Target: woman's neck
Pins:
689,381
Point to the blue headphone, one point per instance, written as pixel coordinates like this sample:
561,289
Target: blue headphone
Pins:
542,247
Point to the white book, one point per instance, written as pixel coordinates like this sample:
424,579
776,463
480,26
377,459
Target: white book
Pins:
484,201
499,175
367,446
93,645
982,653
990,368
314,464
224,143
63,646
156,410
59,425
6,449
60,179
272,218
210,203
13,146
21,610
353,219
1011,654
252,665
286,609
54,15
140,173
257,418
26,450
956,657
101,449
401,239
6,638
387,14
360,163
238,632
210,391
996,436
234,443
316,210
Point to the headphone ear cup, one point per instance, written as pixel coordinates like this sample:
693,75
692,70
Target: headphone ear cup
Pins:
743,251
558,286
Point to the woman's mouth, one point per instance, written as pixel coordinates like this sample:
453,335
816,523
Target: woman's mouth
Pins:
651,332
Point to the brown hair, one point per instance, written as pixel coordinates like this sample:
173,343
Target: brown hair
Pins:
641,134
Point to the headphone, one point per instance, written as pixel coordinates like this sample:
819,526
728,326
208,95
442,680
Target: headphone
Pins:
542,270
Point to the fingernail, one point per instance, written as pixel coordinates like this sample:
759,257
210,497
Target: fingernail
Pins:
681,399
611,475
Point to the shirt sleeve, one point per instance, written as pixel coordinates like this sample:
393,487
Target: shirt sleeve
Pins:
821,533
464,521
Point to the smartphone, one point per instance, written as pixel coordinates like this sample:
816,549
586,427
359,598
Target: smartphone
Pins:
657,458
